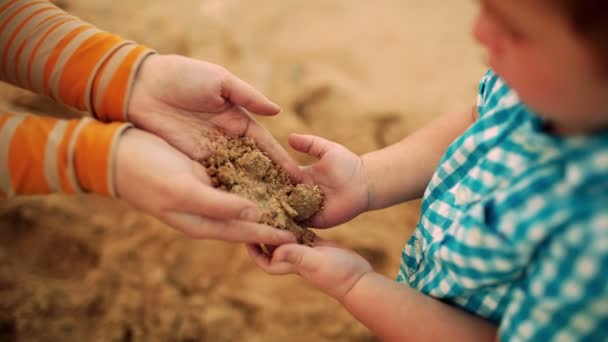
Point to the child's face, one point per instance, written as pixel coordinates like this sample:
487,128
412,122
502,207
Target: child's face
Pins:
533,48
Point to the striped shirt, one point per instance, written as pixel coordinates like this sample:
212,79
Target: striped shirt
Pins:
514,225
50,52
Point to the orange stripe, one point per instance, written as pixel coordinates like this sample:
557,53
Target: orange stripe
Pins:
80,67
62,157
99,112
26,155
114,98
7,5
14,35
54,57
25,41
48,19
30,61
92,156
19,10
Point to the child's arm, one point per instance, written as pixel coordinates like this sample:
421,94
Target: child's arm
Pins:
401,172
392,311
396,312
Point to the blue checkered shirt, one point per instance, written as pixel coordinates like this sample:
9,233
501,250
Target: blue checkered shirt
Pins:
514,225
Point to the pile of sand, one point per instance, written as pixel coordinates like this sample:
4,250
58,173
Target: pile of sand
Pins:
238,166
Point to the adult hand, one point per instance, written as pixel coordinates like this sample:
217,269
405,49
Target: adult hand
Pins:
158,179
181,99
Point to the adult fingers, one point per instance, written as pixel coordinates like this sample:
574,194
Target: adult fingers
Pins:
226,230
243,94
202,199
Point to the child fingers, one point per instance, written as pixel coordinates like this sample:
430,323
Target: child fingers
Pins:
300,256
310,144
264,262
319,221
226,230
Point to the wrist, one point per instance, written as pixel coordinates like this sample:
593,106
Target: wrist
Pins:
138,101
349,296
120,160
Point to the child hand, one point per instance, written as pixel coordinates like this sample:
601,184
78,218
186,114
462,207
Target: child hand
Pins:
181,99
327,267
163,182
340,174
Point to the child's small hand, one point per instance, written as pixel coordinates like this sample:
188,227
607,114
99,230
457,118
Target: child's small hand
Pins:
158,179
340,174
327,267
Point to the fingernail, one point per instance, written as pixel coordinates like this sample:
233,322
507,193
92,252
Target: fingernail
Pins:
250,214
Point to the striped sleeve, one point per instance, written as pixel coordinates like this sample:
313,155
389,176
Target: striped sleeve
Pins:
39,155
48,51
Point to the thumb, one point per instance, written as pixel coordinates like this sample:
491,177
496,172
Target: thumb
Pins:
294,254
310,144
202,199
243,94
207,201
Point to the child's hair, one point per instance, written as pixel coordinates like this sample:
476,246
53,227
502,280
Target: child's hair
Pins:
589,19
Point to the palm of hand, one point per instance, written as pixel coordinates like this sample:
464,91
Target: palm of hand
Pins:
155,177
186,129
340,175
182,100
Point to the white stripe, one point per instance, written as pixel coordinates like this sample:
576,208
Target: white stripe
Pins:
32,39
111,163
134,68
71,148
7,12
51,151
118,53
65,56
6,135
45,50
9,30
24,35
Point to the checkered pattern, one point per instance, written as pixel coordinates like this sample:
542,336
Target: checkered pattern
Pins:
514,226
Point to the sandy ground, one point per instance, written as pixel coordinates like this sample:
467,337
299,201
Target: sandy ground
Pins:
362,73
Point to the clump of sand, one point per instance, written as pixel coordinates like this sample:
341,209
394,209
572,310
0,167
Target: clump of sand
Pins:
240,167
